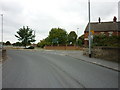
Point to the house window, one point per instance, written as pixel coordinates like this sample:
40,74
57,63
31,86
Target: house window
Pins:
103,33
110,33
86,39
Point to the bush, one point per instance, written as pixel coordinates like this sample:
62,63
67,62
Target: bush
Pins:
43,43
103,40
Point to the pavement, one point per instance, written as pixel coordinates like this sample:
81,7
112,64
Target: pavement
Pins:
100,62
79,55
53,69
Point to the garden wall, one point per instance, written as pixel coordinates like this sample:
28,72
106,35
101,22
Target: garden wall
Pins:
0,55
3,55
106,53
63,48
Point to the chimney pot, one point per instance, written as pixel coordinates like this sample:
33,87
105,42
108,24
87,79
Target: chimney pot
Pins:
114,19
99,20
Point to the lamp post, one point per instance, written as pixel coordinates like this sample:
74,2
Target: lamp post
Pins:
2,30
89,29
34,34
77,31
77,37
34,38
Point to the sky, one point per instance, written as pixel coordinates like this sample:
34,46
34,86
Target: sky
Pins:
43,15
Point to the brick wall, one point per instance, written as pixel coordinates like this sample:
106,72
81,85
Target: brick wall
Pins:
0,55
106,53
3,55
63,47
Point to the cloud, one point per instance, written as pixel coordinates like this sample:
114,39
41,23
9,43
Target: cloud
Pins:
42,15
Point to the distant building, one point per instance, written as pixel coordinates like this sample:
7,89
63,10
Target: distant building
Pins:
106,28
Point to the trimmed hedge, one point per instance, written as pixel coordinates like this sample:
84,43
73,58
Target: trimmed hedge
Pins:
103,40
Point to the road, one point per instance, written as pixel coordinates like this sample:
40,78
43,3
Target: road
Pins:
46,69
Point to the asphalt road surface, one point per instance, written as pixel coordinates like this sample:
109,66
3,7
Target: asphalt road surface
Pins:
45,69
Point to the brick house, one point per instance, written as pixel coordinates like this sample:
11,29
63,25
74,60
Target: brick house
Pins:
106,28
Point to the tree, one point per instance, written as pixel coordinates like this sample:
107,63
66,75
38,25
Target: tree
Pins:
43,43
25,36
72,36
8,43
80,40
17,44
57,36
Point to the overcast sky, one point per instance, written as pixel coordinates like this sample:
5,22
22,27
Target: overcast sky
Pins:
42,15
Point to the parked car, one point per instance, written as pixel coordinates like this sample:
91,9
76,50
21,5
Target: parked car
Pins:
30,47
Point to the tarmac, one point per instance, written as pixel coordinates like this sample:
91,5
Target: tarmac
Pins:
79,55
104,63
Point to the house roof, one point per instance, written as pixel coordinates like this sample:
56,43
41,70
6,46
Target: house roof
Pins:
104,26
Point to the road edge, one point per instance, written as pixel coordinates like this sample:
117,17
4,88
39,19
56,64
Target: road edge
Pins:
97,64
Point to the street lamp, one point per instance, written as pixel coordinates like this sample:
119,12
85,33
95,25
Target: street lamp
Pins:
89,29
77,31
2,30
77,37
34,34
34,37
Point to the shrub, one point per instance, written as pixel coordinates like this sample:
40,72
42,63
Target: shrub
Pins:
103,40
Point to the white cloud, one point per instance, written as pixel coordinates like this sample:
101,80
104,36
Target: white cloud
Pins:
42,15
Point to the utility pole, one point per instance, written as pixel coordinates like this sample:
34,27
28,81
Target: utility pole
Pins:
77,31
34,34
2,30
77,37
34,38
89,30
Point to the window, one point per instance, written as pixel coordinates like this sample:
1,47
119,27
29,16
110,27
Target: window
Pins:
103,33
110,33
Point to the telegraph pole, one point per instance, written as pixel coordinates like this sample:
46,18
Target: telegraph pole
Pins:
34,33
34,38
89,30
77,31
77,37
2,30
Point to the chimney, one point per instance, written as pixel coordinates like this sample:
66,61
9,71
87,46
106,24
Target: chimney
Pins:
114,19
99,19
